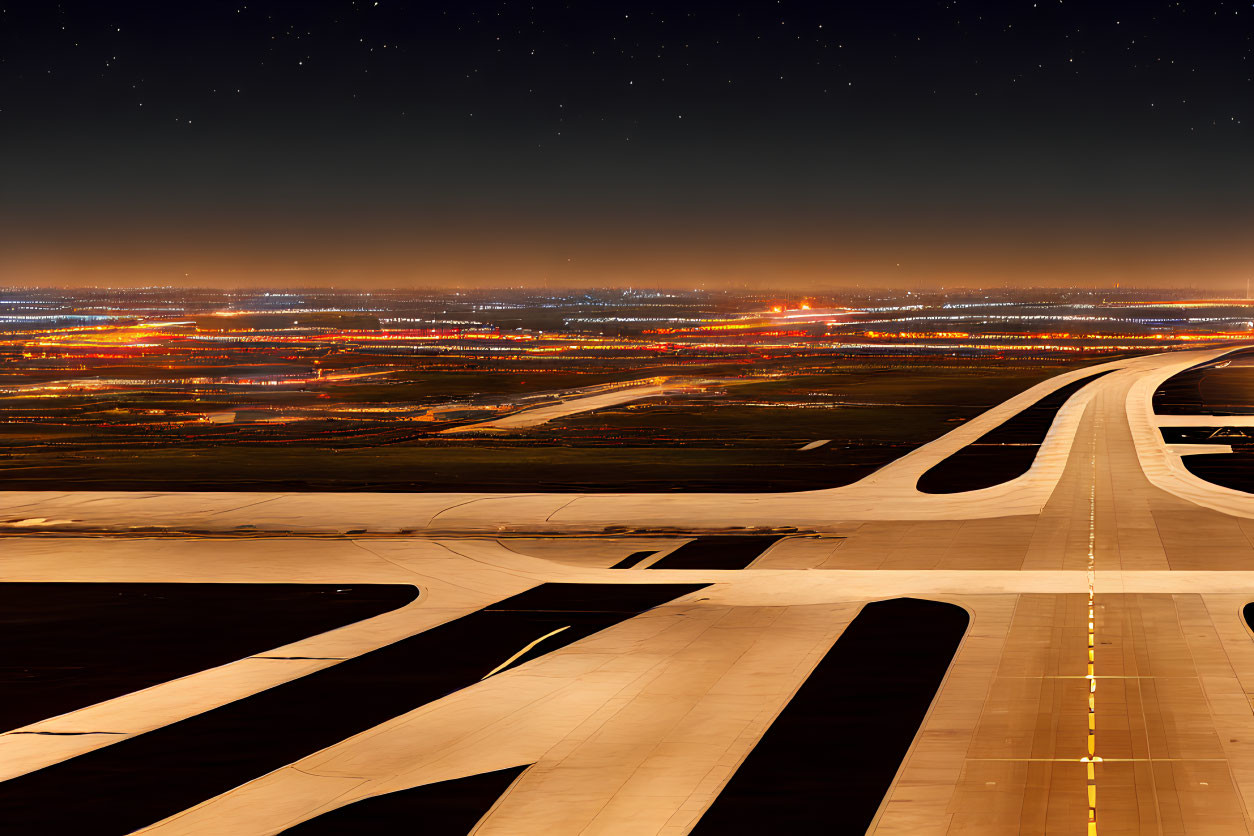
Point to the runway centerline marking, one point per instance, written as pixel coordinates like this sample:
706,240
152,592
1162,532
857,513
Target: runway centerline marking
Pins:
1091,575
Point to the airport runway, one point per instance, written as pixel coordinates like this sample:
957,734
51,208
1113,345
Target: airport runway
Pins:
732,672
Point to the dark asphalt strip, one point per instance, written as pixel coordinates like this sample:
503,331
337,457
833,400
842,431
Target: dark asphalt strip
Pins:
827,760
64,646
632,559
718,552
1004,452
143,779
447,808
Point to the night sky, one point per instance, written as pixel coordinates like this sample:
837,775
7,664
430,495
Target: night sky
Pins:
776,144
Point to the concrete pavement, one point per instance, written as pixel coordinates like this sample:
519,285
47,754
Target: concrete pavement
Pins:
1106,539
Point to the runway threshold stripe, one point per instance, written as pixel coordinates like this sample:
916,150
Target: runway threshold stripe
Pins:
447,808
633,559
143,779
1005,452
828,759
718,552
64,646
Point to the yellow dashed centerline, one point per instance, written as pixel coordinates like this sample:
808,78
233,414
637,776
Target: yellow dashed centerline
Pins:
1092,759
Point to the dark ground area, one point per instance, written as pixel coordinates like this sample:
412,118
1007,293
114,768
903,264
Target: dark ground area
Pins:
746,439
68,645
179,765
1230,470
1004,452
1225,387
827,760
446,808
731,552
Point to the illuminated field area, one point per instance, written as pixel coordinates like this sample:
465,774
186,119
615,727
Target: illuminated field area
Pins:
598,391
747,439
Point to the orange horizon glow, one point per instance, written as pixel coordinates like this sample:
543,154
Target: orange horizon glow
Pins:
507,252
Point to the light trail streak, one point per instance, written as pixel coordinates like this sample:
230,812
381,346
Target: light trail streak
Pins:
526,648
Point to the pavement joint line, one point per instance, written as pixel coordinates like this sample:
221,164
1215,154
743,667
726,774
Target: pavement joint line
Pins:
1101,760
1099,676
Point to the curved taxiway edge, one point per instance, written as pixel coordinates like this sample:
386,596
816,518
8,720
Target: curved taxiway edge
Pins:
887,494
1164,467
